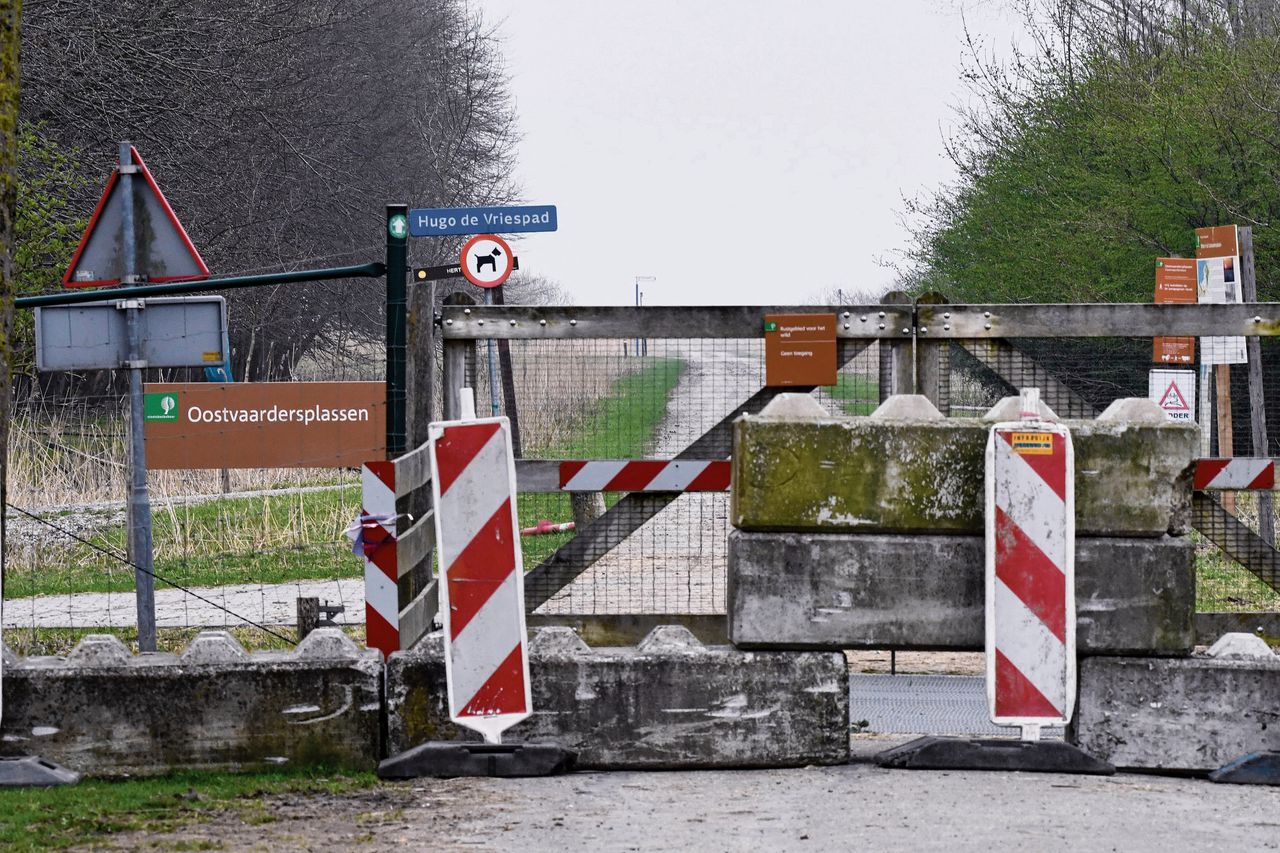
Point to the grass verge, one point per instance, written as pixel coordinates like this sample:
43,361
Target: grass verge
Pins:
34,642
91,812
857,394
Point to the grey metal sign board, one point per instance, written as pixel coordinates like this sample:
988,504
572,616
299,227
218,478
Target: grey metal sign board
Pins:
178,331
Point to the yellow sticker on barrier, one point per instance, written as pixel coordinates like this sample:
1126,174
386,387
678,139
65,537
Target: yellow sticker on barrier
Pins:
1032,443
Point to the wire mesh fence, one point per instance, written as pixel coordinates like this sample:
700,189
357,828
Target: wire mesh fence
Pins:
241,548
233,548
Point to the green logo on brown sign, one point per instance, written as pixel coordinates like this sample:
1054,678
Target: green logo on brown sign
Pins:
160,407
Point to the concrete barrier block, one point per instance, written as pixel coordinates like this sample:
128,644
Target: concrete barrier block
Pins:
214,647
1191,714
107,714
100,650
671,702
842,591
1010,409
921,475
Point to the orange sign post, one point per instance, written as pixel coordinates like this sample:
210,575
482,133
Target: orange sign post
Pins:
1175,284
264,424
799,349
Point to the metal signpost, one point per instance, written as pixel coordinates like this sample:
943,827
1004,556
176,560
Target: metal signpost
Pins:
487,262
133,214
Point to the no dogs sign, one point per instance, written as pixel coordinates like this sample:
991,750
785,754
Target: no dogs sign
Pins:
487,260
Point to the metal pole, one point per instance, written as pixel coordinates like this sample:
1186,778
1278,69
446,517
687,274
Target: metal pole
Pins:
139,500
493,363
397,324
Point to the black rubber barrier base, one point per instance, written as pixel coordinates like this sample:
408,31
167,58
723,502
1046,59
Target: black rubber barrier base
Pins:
1039,756
446,760
1256,768
32,771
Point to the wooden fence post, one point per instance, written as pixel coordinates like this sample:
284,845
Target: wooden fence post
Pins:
933,362
455,373
1257,389
897,368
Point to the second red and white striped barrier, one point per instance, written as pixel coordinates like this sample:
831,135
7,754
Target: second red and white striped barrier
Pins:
1240,474
1030,570
644,475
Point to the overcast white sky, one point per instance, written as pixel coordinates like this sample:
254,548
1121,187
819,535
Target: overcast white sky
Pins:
740,151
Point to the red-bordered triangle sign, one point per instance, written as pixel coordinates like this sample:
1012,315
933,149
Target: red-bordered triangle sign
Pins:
163,251
1172,399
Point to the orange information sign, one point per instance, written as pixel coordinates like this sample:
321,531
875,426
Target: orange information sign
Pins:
1220,241
264,424
1175,283
799,349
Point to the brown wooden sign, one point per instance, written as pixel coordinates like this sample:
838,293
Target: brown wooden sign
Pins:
264,424
1175,283
799,349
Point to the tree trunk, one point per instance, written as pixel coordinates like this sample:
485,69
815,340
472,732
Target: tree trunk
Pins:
10,10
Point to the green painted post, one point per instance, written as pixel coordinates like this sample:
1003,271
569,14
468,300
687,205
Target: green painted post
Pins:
397,324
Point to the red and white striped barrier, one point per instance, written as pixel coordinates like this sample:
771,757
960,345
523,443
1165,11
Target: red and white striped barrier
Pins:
1234,474
644,475
1030,571
381,568
482,596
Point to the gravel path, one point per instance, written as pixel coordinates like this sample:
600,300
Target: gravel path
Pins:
271,604
675,562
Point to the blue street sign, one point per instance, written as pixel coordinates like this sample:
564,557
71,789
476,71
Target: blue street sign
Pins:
448,221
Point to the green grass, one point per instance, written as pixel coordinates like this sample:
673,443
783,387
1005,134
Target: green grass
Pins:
33,642
267,539
282,538
1223,585
856,393
91,812
620,426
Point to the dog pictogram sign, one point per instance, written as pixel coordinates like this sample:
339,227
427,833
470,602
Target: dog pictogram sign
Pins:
1175,392
487,260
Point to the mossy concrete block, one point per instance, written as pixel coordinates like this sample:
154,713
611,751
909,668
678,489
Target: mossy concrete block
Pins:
1192,714
104,713
878,591
670,702
869,474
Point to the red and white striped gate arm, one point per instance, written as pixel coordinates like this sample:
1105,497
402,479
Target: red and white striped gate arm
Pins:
381,567
482,596
644,475
1030,573
1235,474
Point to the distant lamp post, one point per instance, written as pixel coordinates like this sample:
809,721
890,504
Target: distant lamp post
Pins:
642,344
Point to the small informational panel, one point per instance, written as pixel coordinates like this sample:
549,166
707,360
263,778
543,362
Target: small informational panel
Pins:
1218,283
264,424
1175,285
177,331
1175,392
799,349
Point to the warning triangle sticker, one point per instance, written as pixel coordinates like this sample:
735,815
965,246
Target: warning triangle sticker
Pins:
1172,400
163,251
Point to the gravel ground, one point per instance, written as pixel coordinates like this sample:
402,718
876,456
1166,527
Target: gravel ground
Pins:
854,806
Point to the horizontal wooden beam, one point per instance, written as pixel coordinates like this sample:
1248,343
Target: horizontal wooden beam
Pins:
1096,320
697,321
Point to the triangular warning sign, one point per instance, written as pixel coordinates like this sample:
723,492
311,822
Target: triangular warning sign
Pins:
1172,400
163,251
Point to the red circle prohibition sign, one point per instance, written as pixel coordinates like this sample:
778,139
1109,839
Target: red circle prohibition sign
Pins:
491,268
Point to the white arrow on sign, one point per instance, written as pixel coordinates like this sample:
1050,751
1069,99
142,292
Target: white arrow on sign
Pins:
487,260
